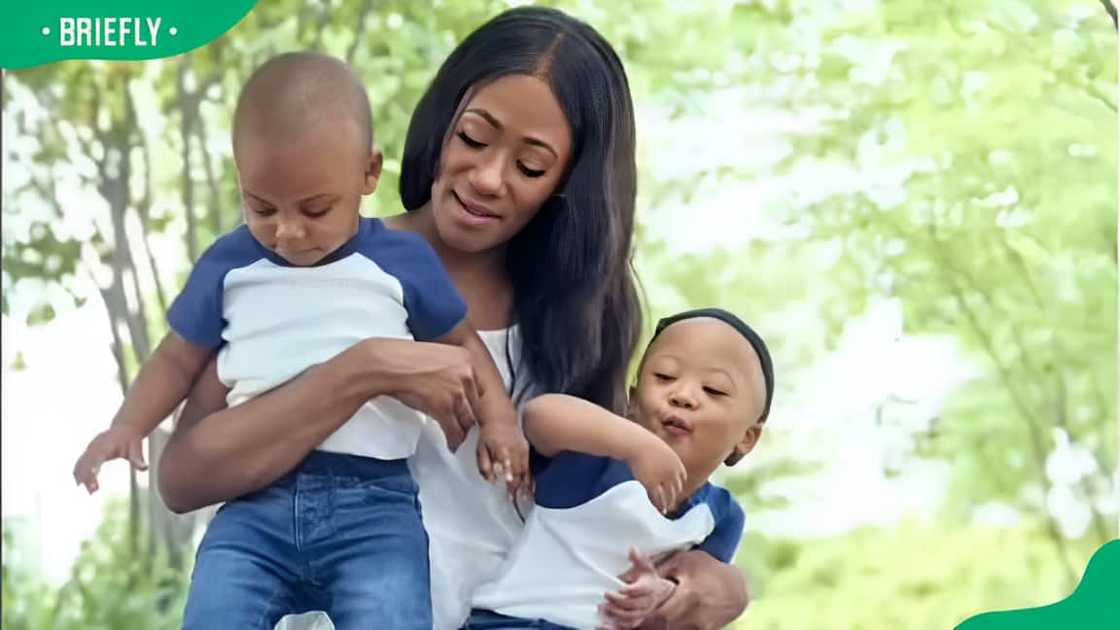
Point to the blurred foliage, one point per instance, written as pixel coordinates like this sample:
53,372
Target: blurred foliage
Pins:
958,158
918,576
977,147
109,588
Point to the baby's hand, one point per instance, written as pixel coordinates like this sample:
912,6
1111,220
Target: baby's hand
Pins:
503,453
645,591
657,467
117,442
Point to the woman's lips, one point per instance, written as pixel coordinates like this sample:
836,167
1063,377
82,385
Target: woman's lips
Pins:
473,213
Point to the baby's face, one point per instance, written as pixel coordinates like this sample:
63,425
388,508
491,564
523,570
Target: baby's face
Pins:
302,197
701,390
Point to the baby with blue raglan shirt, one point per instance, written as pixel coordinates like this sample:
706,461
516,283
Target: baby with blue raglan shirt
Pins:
605,483
305,278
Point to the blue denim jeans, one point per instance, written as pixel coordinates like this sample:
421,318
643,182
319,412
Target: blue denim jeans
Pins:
340,533
490,620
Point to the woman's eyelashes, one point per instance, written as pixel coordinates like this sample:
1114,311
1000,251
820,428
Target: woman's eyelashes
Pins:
530,172
521,166
469,141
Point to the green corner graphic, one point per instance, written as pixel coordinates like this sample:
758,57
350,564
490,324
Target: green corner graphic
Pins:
1093,605
37,33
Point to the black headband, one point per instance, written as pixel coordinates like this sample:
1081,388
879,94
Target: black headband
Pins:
739,325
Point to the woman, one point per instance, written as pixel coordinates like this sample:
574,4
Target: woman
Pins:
519,169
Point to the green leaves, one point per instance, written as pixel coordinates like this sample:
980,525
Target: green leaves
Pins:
917,576
109,587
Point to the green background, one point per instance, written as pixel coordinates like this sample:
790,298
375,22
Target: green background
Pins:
802,163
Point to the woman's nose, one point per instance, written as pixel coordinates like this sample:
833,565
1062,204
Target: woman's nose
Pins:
486,177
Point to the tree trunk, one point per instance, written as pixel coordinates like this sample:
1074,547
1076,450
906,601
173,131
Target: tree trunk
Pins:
188,108
215,199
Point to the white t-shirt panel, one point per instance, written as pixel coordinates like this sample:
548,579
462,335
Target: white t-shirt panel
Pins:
589,512
270,320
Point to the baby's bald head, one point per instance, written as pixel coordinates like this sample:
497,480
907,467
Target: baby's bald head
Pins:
293,93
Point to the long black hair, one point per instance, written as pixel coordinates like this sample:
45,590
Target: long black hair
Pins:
574,291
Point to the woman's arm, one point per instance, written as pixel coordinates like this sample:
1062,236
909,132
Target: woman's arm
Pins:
219,454
709,593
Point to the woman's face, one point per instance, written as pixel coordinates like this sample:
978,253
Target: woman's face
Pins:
502,159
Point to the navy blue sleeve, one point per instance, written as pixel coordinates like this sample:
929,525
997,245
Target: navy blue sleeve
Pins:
196,313
537,462
729,521
569,479
434,305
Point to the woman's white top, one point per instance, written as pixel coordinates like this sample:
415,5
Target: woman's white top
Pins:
471,523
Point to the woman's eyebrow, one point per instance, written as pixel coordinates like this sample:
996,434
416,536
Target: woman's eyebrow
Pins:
488,117
542,144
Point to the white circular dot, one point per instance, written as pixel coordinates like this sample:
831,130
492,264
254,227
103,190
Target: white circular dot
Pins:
173,30
46,30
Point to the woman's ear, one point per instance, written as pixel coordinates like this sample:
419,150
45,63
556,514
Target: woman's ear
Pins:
745,445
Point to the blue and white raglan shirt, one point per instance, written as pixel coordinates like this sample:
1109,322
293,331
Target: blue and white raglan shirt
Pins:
272,320
589,511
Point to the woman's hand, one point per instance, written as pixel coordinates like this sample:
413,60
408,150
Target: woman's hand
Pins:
218,453
433,378
629,606
709,593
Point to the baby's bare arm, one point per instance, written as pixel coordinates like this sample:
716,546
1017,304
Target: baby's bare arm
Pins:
503,452
559,422
164,381
493,401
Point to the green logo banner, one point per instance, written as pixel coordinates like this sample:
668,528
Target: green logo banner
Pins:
37,33
1094,605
